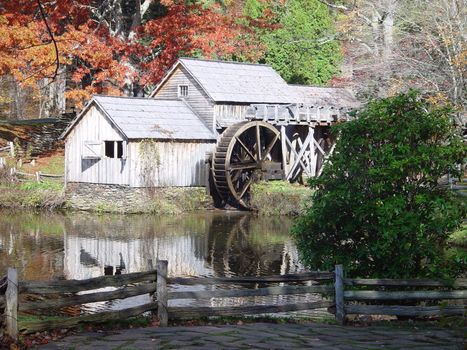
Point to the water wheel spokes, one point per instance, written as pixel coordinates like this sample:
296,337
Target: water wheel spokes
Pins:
239,160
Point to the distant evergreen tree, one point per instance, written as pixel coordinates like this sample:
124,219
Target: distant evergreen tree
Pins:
303,49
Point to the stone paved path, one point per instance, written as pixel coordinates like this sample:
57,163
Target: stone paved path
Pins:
264,336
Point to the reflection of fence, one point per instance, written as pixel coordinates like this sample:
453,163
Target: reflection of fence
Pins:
340,300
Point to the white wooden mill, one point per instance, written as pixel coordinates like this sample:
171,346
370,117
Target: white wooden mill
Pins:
220,124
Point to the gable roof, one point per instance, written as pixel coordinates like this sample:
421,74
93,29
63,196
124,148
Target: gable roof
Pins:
237,82
225,81
140,118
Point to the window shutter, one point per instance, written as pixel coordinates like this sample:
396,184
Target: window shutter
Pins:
92,150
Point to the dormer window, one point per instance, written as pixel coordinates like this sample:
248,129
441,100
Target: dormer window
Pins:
182,90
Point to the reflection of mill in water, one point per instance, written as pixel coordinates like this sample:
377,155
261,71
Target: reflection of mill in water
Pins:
242,246
209,245
220,245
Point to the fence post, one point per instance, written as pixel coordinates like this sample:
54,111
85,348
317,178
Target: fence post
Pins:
161,292
12,149
11,308
339,290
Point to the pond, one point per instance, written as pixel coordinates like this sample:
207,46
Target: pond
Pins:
49,246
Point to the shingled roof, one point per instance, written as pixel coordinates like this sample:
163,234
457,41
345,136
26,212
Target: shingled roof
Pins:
140,118
323,96
237,82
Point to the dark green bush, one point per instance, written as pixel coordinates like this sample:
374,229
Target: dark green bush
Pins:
378,208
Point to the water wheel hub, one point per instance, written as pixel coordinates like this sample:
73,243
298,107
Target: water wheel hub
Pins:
246,152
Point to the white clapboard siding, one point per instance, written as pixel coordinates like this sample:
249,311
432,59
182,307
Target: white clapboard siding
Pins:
198,100
93,129
180,164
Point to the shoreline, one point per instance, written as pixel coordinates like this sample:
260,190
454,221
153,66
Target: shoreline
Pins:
276,198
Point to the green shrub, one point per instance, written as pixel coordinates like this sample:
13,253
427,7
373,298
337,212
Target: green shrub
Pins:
378,208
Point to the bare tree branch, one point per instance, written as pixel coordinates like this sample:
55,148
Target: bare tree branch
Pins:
334,6
57,58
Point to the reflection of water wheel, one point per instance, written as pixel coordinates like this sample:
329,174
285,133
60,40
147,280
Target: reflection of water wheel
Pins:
246,152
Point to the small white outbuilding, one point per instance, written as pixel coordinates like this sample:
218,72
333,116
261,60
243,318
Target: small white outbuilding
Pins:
138,142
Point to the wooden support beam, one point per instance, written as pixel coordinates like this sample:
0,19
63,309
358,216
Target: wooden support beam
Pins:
306,157
320,149
162,293
285,164
313,157
11,308
296,161
339,293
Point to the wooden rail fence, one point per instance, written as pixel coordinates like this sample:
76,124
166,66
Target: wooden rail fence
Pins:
344,295
37,176
10,149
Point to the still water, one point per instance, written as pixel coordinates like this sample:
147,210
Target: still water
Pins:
79,245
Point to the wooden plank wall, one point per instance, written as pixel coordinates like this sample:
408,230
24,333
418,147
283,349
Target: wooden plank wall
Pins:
228,114
94,127
181,164
197,98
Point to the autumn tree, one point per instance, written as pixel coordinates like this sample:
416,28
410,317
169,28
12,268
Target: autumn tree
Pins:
111,47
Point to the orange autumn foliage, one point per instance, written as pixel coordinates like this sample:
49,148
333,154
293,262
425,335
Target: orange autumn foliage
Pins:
98,61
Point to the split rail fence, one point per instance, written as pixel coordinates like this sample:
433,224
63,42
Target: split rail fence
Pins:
341,296
37,176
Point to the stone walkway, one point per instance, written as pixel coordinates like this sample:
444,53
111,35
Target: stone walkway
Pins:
264,336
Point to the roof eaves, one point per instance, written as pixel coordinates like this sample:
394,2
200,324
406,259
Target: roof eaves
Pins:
83,112
165,78
76,120
112,121
196,79
197,116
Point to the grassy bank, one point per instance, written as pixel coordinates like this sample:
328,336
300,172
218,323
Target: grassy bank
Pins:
30,195
459,237
279,198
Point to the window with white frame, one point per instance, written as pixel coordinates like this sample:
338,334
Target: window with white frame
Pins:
182,90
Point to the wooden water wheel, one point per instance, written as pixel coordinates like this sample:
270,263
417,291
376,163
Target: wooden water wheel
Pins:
245,153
